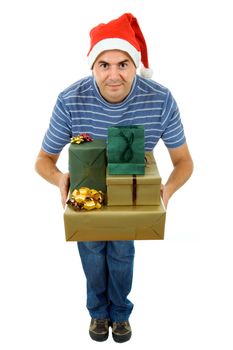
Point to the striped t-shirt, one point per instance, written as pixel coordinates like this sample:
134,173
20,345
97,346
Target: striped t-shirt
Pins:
81,109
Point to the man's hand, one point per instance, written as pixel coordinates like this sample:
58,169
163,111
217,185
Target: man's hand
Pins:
183,167
164,195
46,167
64,185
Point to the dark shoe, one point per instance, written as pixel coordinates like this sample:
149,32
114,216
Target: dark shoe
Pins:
121,331
98,329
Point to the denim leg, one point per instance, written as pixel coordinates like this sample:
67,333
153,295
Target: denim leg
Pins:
120,257
93,257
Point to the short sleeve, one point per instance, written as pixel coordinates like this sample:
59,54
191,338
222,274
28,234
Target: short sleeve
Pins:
59,131
173,132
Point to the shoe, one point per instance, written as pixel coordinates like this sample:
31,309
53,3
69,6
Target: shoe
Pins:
98,329
121,331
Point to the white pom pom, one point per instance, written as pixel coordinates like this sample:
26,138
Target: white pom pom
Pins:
146,72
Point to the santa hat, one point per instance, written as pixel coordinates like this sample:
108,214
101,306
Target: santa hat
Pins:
123,34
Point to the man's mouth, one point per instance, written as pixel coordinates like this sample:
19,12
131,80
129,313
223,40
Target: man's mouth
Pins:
113,85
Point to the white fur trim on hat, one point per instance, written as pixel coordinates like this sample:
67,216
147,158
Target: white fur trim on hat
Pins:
114,44
146,72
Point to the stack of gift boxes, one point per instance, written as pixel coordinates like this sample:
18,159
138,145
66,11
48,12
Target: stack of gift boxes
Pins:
128,176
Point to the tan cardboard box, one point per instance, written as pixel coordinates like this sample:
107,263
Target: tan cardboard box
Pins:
115,223
135,190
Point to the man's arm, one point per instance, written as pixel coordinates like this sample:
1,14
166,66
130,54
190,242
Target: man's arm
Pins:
183,168
46,167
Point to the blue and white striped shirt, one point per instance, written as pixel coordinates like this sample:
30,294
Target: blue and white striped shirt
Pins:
81,109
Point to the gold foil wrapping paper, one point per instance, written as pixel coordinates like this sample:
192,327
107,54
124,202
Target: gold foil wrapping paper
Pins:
115,223
135,190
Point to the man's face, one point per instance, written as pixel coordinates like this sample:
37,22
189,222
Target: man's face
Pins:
114,72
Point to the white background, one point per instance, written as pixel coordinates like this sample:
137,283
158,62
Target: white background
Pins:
182,287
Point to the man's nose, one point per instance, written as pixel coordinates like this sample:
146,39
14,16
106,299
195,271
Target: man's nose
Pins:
114,72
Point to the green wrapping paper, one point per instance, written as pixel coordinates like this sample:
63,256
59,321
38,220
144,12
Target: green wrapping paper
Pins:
115,223
125,150
87,165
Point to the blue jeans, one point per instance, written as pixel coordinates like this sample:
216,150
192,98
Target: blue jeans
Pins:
108,266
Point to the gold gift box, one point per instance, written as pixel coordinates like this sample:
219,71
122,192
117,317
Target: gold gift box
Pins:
115,223
135,190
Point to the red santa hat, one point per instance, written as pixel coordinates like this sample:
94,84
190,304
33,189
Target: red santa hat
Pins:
123,34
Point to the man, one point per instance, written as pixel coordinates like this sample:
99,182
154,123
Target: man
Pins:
114,95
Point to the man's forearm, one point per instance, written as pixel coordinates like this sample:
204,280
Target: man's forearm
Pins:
48,170
180,174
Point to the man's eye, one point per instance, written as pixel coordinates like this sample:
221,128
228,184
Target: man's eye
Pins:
104,65
123,65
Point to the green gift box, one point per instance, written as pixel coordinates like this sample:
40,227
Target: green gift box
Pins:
87,165
125,150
